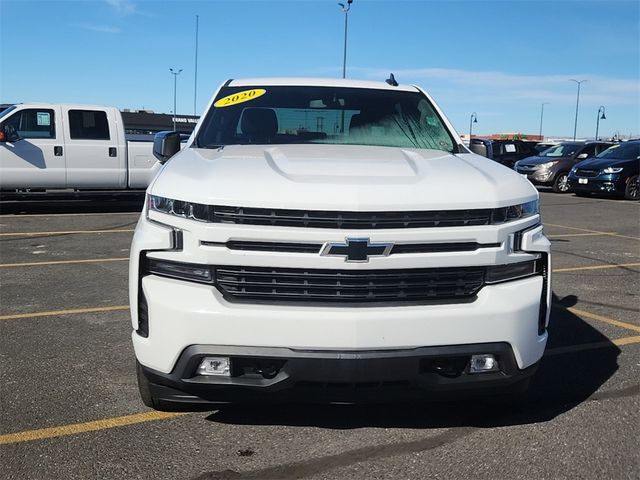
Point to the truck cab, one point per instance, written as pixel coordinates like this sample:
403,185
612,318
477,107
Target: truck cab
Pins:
64,146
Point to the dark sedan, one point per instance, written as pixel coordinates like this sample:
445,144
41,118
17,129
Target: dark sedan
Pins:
551,167
614,171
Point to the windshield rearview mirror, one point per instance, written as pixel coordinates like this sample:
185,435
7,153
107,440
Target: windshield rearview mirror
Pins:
166,145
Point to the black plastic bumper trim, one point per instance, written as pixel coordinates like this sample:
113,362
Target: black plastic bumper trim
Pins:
334,375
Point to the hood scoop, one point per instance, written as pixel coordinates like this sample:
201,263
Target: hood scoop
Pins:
345,164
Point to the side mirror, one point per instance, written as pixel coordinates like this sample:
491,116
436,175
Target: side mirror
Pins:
582,156
478,147
8,133
166,145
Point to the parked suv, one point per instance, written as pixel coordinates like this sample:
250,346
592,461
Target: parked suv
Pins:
506,152
614,171
551,167
307,243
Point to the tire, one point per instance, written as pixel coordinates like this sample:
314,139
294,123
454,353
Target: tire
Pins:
561,183
632,191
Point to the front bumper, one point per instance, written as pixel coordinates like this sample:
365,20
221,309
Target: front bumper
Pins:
182,314
607,183
335,376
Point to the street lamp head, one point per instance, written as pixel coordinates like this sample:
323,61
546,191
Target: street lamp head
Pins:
601,109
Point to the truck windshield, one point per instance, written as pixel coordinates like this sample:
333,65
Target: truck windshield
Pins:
276,115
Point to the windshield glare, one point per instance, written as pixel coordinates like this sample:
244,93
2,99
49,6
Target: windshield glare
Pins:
623,151
563,150
323,115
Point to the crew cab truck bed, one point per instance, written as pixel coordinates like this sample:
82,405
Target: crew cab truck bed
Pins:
62,146
336,267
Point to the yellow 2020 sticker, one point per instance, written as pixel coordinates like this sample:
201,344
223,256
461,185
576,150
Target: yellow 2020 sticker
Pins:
240,97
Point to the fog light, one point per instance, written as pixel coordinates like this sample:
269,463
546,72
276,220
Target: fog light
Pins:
215,366
483,363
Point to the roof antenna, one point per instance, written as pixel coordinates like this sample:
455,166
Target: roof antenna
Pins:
392,80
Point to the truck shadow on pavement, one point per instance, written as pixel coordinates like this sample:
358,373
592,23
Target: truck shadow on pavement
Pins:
577,362
102,202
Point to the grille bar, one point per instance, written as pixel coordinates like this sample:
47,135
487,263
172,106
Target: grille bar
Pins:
283,284
350,220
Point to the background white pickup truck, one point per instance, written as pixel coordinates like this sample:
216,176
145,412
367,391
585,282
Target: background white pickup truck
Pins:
82,147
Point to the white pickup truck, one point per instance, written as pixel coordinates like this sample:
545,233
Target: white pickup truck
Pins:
61,146
333,240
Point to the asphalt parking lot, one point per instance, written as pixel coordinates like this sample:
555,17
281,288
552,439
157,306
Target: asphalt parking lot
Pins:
70,405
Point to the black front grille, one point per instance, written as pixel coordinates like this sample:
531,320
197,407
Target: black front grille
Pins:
350,220
275,285
583,172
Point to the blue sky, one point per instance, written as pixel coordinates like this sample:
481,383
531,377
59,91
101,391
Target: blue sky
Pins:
501,59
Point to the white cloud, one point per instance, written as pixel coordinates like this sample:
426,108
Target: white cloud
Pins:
123,7
98,28
500,87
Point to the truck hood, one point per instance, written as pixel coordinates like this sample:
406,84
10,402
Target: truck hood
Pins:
339,177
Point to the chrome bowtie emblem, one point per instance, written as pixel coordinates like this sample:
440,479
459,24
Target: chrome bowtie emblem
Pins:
356,249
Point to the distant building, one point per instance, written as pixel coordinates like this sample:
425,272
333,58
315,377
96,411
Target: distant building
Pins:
147,122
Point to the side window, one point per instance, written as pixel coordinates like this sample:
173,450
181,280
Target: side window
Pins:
601,148
88,125
33,123
590,150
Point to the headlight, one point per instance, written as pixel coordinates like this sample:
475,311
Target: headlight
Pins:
179,208
548,164
612,170
515,212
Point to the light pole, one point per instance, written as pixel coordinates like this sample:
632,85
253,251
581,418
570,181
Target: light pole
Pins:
345,9
598,118
575,125
473,119
195,76
542,115
175,74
